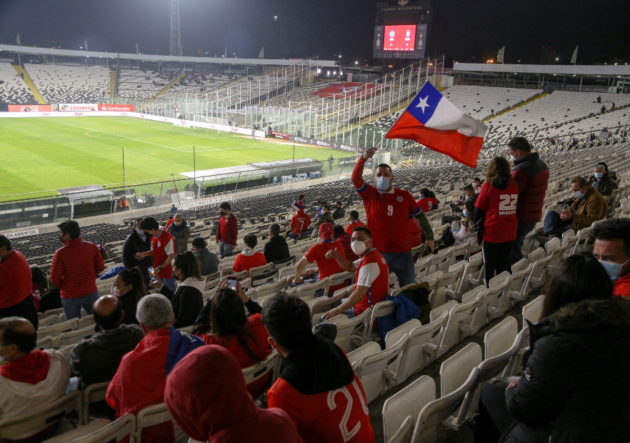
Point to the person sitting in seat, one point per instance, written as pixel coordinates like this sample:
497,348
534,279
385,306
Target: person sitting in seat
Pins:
141,376
250,257
458,207
354,222
602,181
427,202
342,237
325,217
612,249
129,289
187,300
372,276
276,249
299,223
576,386
317,253
223,322
589,206
217,406
208,261
30,378
316,373
96,359
466,228
339,212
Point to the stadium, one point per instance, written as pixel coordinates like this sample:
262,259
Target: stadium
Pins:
430,214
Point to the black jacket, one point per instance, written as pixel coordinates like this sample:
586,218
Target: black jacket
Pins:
187,301
129,304
320,366
96,359
339,213
133,245
276,249
576,386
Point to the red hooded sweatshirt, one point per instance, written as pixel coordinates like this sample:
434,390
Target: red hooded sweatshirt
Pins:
217,407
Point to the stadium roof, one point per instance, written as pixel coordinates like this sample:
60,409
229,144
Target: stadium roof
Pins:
582,70
161,58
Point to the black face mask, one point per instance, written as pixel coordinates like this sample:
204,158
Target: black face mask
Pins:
61,239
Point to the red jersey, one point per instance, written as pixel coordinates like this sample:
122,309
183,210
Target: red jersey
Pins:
427,204
339,416
15,280
228,229
346,242
373,273
162,246
622,286
246,262
500,223
75,267
300,222
317,253
387,213
353,224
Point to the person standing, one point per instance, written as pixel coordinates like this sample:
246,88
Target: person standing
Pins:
532,178
16,287
162,251
388,211
181,233
136,242
495,210
227,231
74,270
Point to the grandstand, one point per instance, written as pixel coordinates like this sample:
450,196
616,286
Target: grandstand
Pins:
13,89
70,84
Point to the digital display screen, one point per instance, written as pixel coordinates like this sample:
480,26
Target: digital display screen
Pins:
399,38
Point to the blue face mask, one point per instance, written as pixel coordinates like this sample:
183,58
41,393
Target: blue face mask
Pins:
318,207
579,194
465,213
598,175
382,183
140,232
613,269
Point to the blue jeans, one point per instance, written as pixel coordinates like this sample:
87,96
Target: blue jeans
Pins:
521,232
169,283
72,306
555,225
293,235
225,249
401,264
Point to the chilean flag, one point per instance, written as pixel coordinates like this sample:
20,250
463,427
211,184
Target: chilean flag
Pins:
436,123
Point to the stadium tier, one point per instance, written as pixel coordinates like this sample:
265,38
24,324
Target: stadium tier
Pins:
13,89
70,84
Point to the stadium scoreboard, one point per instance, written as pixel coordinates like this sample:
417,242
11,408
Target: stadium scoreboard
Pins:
402,29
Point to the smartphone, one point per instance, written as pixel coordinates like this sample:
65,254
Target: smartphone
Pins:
233,283
152,276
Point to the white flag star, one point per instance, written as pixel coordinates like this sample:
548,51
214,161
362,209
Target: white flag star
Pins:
423,103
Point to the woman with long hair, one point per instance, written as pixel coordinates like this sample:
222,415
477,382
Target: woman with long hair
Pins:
466,228
129,288
223,322
495,216
187,300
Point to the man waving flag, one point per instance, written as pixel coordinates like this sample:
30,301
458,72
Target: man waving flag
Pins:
436,123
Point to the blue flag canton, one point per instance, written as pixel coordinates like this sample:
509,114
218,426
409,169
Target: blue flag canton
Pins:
424,105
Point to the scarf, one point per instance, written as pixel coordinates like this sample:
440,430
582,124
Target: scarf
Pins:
175,229
31,368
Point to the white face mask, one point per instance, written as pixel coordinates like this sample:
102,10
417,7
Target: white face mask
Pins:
115,291
177,223
512,158
358,247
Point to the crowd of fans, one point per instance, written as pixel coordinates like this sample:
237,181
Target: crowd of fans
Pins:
575,384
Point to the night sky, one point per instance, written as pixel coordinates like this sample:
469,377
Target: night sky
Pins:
463,30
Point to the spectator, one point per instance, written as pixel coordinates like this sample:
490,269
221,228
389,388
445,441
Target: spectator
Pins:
589,206
602,181
162,251
187,300
612,249
586,328
612,107
476,184
141,376
129,289
320,209
171,218
427,201
469,194
300,203
495,215
315,369
299,223
462,231
340,236
372,276
330,161
136,242
223,322
532,178
39,285
599,99
16,287
181,233
250,257
603,109
96,359
221,411
30,378
339,212
74,270
326,266
388,210
208,261
325,217
353,222
276,249
228,230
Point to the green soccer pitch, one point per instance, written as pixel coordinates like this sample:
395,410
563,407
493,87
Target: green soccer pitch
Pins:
40,155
